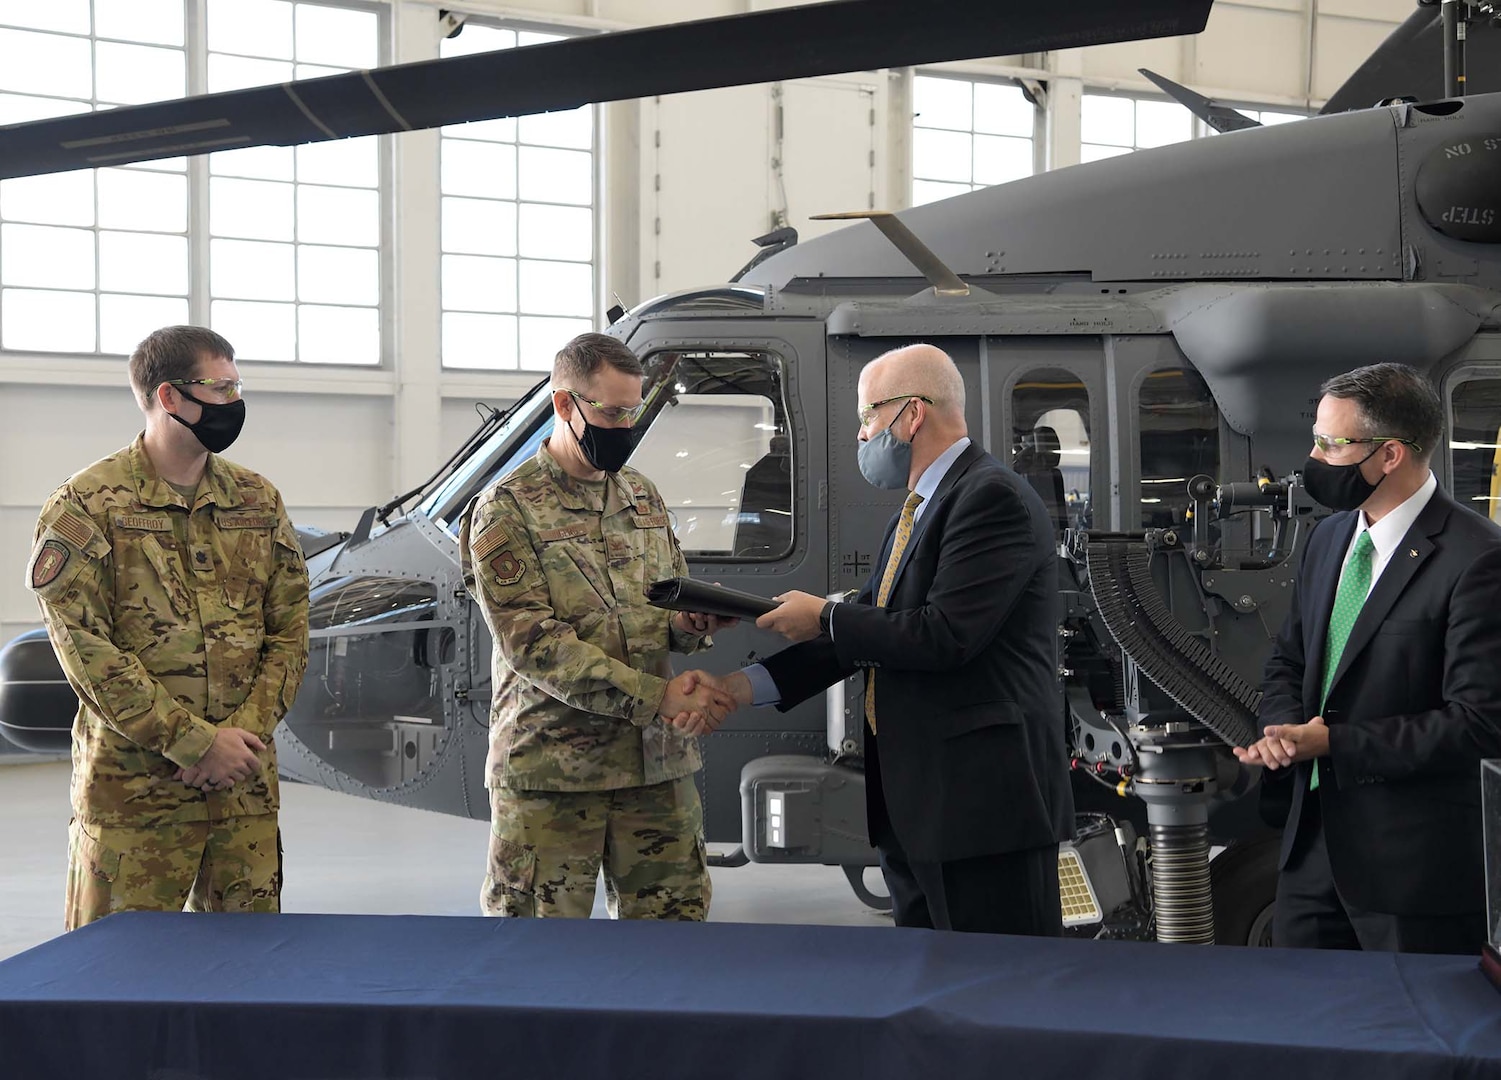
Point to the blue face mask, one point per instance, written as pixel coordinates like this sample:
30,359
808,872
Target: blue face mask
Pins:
886,461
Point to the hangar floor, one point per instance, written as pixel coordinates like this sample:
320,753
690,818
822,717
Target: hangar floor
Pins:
354,856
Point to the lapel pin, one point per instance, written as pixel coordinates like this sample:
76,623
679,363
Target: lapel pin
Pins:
1412,552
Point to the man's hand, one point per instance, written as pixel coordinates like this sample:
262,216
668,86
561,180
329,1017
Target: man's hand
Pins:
698,622
797,617
229,760
695,703
1287,744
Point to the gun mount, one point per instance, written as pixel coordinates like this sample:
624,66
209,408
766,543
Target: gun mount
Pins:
1155,697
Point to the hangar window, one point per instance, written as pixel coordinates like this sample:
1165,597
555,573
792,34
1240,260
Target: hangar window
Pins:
92,260
1475,445
294,232
1180,439
967,134
1112,124
718,446
517,232
1050,443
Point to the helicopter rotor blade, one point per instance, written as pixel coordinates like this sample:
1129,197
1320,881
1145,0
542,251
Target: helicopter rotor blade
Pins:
785,43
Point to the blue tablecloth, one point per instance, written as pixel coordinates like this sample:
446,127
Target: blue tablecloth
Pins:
322,997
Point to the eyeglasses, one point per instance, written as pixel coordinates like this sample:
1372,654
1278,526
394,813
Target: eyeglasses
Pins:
868,413
1327,443
223,389
613,413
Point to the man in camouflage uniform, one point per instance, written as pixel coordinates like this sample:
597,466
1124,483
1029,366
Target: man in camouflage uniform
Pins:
175,595
592,741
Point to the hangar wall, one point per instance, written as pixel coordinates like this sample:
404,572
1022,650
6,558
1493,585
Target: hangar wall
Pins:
682,185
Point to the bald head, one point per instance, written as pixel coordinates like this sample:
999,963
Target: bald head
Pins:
920,395
922,370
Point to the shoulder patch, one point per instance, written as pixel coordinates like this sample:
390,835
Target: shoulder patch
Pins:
50,559
73,528
490,540
507,568
140,522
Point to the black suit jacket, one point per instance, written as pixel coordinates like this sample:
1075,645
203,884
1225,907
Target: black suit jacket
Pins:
1415,705
969,708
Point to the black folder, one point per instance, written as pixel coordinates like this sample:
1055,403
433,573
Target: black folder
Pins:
685,594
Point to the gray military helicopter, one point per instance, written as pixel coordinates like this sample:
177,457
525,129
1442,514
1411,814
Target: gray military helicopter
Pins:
1142,338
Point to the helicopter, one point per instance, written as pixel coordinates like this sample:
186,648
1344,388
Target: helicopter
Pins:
1141,338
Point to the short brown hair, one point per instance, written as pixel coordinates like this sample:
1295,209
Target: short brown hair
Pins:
579,360
173,352
1395,401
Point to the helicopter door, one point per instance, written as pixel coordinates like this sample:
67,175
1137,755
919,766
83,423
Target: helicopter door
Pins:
729,442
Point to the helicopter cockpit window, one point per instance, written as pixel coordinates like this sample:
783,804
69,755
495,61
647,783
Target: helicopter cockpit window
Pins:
1475,445
718,447
1050,443
1180,438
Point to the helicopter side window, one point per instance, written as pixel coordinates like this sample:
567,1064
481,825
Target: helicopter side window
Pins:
1180,438
1050,443
718,447
1475,445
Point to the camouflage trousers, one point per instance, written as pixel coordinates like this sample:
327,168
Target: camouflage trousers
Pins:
229,865
547,849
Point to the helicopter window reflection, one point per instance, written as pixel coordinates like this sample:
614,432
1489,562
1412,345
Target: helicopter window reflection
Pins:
1180,438
1050,443
718,447
1475,445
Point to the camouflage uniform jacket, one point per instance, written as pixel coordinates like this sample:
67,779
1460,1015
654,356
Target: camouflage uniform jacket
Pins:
168,621
560,568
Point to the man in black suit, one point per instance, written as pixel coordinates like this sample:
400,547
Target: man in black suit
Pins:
1384,688
967,788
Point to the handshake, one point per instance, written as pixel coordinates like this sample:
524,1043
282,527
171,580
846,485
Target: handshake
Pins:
696,702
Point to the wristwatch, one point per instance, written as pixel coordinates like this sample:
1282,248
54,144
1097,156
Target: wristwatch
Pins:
825,614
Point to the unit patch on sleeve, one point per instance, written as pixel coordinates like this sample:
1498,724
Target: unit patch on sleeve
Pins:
507,568
50,561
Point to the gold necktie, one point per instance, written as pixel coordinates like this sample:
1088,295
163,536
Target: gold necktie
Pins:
888,578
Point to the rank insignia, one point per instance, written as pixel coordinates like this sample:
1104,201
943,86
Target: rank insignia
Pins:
507,568
49,563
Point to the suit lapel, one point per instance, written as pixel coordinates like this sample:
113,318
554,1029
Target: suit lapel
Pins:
960,466
1411,553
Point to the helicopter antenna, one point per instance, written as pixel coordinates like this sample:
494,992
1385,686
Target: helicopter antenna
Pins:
945,282
1456,16
1220,117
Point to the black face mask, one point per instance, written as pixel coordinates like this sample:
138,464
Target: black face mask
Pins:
606,448
219,426
1339,487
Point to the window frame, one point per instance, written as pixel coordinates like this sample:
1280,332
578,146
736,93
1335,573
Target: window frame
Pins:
596,208
1039,127
782,408
196,174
